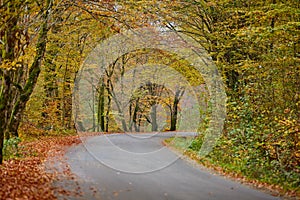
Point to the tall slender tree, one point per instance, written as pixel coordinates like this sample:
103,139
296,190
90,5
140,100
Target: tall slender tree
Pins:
18,71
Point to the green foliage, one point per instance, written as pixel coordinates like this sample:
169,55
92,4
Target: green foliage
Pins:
258,145
248,160
196,144
11,148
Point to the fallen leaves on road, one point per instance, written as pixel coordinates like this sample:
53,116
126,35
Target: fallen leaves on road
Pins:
26,178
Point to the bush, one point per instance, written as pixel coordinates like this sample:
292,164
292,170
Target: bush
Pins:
11,148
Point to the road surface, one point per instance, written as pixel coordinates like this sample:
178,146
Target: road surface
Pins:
139,167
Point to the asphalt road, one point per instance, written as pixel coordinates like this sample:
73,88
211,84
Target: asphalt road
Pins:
139,167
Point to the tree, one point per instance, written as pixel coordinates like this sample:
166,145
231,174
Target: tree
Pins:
19,73
255,46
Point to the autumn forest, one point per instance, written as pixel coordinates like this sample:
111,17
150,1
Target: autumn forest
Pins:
253,44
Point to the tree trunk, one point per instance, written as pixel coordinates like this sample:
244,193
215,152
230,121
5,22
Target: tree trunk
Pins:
174,117
100,111
66,101
153,117
107,112
50,84
3,112
174,109
111,93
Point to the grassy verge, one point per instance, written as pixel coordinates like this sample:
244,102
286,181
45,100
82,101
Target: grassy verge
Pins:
235,165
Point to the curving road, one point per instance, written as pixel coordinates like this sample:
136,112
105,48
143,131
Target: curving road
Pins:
139,167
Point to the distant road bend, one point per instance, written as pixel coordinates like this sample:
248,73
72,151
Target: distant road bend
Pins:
139,167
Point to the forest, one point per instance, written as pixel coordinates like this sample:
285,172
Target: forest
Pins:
253,44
